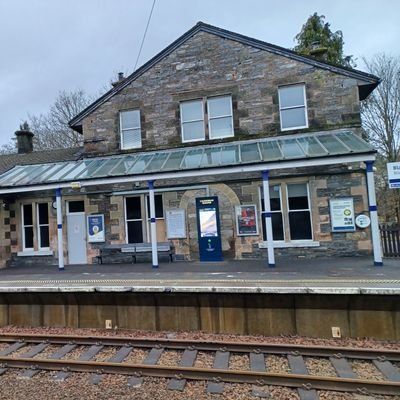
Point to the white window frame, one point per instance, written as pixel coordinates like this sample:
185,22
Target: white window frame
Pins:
288,210
218,117
40,225
284,203
201,102
24,248
133,128
304,106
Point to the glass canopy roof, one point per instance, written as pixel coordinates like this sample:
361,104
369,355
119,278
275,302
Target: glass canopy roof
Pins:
266,150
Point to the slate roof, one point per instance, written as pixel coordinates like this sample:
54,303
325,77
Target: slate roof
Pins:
367,82
8,161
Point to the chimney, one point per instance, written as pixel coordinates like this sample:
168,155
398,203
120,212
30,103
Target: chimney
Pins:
24,139
120,79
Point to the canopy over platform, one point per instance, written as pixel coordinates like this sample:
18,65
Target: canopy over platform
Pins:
253,155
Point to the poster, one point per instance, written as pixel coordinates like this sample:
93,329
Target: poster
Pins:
176,223
342,214
95,227
394,175
246,220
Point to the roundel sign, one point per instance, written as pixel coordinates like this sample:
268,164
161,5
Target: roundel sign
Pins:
363,221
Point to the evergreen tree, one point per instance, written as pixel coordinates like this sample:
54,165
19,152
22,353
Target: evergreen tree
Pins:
317,40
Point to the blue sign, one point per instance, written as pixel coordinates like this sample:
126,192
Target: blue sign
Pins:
95,227
208,229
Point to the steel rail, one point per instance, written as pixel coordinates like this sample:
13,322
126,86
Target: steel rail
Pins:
234,347
232,376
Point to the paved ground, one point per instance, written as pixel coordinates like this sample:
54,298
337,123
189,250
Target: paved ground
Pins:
322,275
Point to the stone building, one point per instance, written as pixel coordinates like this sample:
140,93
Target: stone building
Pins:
228,146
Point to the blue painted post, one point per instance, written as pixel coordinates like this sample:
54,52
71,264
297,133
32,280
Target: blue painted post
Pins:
153,229
59,231
373,212
268,222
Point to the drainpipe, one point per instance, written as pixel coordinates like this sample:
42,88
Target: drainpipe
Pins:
59,231
373,212
153,229
268,222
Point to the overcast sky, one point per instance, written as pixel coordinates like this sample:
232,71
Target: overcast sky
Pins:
52,45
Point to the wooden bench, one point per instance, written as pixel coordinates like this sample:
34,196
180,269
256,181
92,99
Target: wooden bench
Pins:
134,249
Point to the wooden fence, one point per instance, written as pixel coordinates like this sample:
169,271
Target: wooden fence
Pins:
390,237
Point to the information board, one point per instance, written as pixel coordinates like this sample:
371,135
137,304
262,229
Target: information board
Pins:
176,223
95,228
342,214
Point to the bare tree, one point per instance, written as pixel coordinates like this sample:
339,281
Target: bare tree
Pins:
52,130
381,121
381,110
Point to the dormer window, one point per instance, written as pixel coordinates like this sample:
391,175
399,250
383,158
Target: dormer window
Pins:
293,107
131,135
216,111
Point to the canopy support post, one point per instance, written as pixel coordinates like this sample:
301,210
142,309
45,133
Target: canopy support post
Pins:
153,229
268,222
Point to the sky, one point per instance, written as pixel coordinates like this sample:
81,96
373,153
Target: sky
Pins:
48,46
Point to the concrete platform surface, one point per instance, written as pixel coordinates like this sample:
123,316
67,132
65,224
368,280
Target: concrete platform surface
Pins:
347,275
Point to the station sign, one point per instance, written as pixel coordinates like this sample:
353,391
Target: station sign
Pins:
393,170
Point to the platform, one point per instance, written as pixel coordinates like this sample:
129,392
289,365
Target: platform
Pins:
351,275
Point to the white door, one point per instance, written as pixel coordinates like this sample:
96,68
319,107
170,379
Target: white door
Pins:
76,231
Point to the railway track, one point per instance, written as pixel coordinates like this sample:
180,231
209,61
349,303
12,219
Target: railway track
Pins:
110,355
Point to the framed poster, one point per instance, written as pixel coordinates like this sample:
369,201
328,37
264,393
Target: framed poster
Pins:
176,223
246,220
95,228
342,214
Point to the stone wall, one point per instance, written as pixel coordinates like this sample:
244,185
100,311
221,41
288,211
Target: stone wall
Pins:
206,65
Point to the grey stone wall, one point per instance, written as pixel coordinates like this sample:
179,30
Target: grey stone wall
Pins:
206,65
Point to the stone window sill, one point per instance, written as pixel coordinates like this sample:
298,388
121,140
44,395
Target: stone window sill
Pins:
34,253
295,243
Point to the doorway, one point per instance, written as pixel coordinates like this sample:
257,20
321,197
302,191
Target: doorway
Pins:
76,232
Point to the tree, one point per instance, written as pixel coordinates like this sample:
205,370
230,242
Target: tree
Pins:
317,40
380,114
51,130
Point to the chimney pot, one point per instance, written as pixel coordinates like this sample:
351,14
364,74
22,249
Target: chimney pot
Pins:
24,139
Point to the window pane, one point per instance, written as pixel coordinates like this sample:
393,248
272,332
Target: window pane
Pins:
277,227
131,139
300,225
44,236
249,152
221,127
290,148
192,110
192,159
130,119
133,210
135,232
294,117
219,106
27,210
158,202
298,197
291,96
28,231
275,197
43,213
230,154
193,130
76,206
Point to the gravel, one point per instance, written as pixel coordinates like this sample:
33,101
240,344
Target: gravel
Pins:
77,386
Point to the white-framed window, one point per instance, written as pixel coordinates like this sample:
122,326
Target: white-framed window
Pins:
43,226
192,121
35,217
290,212
293,107
130,130
220,120
218,114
